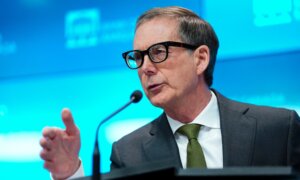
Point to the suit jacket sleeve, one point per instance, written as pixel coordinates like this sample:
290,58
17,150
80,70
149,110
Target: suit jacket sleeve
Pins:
114,158
294,141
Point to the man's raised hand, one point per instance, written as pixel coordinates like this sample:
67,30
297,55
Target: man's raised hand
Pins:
60,148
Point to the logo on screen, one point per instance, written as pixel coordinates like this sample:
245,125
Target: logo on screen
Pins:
82,28
274,12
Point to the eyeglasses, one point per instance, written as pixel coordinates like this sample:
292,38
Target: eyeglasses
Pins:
157,53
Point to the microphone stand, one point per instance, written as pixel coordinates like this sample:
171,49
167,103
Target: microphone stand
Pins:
135,97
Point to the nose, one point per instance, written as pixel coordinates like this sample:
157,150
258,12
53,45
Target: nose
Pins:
148,66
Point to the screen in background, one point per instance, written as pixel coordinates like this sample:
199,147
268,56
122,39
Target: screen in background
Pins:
56,54
254,27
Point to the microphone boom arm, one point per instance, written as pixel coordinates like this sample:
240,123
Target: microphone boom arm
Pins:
135,97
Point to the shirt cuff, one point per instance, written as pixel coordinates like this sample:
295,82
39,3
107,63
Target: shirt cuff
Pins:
79,173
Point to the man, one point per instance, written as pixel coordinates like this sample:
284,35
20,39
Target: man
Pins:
174,54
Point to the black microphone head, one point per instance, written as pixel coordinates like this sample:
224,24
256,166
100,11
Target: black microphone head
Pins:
136,96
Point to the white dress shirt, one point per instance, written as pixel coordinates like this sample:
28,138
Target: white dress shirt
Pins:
209,136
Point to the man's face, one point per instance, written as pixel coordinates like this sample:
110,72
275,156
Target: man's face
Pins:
168,82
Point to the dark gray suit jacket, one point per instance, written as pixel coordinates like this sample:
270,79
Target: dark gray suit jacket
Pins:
251,136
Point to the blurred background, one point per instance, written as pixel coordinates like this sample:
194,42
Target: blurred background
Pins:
62,53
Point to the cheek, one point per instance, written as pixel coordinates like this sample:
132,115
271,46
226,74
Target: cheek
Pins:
140,74
183,76
139,71
142,78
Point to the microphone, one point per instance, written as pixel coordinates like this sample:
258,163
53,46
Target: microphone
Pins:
135,97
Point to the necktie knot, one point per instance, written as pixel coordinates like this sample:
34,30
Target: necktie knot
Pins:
195,156
191,131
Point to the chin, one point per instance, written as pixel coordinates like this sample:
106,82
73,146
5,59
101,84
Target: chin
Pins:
158,101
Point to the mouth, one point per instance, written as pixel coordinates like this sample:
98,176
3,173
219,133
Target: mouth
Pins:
155,88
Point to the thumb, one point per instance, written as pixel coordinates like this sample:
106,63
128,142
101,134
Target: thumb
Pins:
67,118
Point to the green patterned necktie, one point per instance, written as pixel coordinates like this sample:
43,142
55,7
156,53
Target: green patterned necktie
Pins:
195,156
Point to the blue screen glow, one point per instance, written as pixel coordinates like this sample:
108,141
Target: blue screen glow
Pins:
56,54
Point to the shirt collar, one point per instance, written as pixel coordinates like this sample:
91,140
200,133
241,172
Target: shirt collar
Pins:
209,117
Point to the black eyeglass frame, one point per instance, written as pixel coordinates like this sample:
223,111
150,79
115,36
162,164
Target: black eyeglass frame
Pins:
166,44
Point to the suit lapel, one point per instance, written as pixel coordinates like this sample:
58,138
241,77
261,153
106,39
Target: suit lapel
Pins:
238,135
162,145
238,132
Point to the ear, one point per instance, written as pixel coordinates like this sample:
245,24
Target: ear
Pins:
202,58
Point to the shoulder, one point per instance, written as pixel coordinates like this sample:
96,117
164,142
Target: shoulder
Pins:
266,113
143,133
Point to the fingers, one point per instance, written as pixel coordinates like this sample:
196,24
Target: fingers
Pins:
68,120
48,165
51,166
45,143
47,155
49,132
49,136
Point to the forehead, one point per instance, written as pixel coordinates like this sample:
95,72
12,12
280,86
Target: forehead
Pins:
154,31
